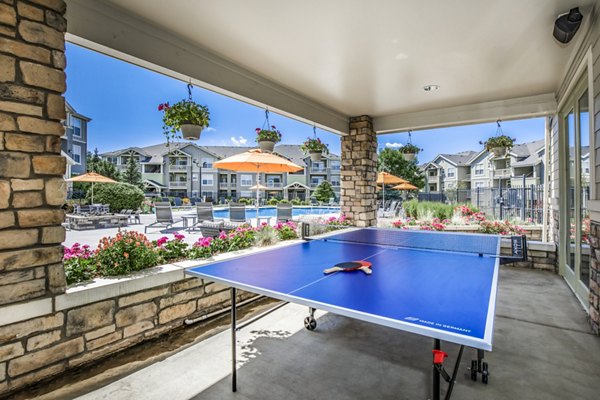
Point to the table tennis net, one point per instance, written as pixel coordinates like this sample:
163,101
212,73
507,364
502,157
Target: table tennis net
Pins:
440,241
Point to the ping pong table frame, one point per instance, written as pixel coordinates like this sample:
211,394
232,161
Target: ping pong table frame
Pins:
439,372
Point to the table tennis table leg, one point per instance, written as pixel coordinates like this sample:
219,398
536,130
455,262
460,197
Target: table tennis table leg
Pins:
436,374
233,341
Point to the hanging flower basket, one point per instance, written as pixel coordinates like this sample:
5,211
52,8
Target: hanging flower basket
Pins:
499,145
409,151
267,138
185,116
315,148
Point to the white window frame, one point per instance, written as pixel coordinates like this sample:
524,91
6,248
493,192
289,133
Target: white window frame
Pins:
477,170
451,172
208,180
245,180
76,153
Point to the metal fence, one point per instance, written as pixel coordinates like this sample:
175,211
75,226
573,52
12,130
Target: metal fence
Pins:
514,203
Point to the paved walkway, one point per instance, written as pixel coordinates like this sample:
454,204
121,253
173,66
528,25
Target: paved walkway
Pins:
543,349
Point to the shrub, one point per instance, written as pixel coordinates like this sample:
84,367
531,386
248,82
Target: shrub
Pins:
80,263
500,228
119,197
287,230
127,252
171,250
201,249
266,236
296,202
245,201
272,201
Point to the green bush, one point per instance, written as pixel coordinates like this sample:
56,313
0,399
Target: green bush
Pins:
416,209
273,201
296,202
128,252
245,201
122,196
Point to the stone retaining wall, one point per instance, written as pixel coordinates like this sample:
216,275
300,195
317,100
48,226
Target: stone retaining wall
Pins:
540,256
106,317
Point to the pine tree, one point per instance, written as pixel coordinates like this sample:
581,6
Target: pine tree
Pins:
132,174
324,192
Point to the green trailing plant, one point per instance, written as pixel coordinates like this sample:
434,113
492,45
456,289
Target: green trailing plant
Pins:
268,135
409,148
501,141
314,145
180,113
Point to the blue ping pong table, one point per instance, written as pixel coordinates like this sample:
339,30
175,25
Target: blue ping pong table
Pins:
436,284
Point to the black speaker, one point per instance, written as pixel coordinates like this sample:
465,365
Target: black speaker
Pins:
566,26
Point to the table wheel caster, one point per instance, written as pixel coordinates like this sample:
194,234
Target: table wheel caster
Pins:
485,375
310,323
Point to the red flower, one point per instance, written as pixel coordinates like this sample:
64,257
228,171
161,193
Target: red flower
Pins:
160,107
257,130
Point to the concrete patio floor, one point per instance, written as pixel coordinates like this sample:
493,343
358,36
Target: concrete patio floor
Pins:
543,349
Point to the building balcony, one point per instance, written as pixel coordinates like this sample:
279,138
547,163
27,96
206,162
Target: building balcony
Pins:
178,167
318,170
177,184
274,185
223,185
502,173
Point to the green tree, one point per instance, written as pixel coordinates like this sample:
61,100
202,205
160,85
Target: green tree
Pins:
102,167
324,192
119,196
132,174
393,161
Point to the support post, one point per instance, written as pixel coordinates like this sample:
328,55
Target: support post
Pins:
233,341
436,374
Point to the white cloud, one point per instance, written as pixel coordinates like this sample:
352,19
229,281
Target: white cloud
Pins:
239,141
394,145
210,129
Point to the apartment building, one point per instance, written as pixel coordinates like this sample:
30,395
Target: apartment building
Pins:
524,163
74,141
186,170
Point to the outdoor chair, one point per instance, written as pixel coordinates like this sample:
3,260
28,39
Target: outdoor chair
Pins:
284,212
392,211
237,213
206,221
164,217
177,202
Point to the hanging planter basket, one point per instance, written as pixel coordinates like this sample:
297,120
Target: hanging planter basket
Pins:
409,156
499,151
266,145
316,156
190,131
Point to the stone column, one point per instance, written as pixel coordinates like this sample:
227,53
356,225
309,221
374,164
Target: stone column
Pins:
359,172
32,188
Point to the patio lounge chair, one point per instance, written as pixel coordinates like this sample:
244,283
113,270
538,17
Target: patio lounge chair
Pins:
284,212
206,222
164,217
237,213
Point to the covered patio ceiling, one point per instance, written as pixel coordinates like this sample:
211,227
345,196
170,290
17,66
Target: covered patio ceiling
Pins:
324,61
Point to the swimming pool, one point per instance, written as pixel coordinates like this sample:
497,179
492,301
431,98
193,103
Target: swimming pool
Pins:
272,211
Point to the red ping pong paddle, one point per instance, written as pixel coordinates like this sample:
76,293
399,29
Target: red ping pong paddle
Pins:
364,266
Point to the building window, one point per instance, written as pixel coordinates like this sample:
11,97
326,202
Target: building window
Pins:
75,125
207,180
479,185
244,193
433,172
207,162
451,173
335,181
479,169
76,153
315,181
246,180
112,160
152,168
335,165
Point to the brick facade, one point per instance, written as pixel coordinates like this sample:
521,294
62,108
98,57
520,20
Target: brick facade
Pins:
359,172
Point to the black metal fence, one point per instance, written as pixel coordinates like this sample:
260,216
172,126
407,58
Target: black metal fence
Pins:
514,203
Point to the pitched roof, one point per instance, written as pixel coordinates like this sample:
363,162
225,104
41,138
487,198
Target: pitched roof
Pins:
530,151
462,158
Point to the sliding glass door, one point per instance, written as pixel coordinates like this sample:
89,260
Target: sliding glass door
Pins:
575,222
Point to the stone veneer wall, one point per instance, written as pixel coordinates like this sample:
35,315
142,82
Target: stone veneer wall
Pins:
595,277
84,331
359,172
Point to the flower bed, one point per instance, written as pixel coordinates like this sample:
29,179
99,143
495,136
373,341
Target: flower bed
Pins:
130,251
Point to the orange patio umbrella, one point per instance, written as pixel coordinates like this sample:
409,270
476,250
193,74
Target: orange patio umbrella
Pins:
257,161
405,186
93,178
385,178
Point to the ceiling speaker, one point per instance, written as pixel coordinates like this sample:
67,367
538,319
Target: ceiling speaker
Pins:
566,26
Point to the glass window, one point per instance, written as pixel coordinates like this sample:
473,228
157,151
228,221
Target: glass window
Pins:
207,162
75,125
207,179
479,169
451,172
152,168
246,180
335,165
76,153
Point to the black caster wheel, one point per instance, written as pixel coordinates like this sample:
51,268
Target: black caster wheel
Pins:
474,370
485,375
310,323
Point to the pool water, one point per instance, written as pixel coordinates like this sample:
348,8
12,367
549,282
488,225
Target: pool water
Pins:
272,211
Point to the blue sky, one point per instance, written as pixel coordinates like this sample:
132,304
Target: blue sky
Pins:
122,100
